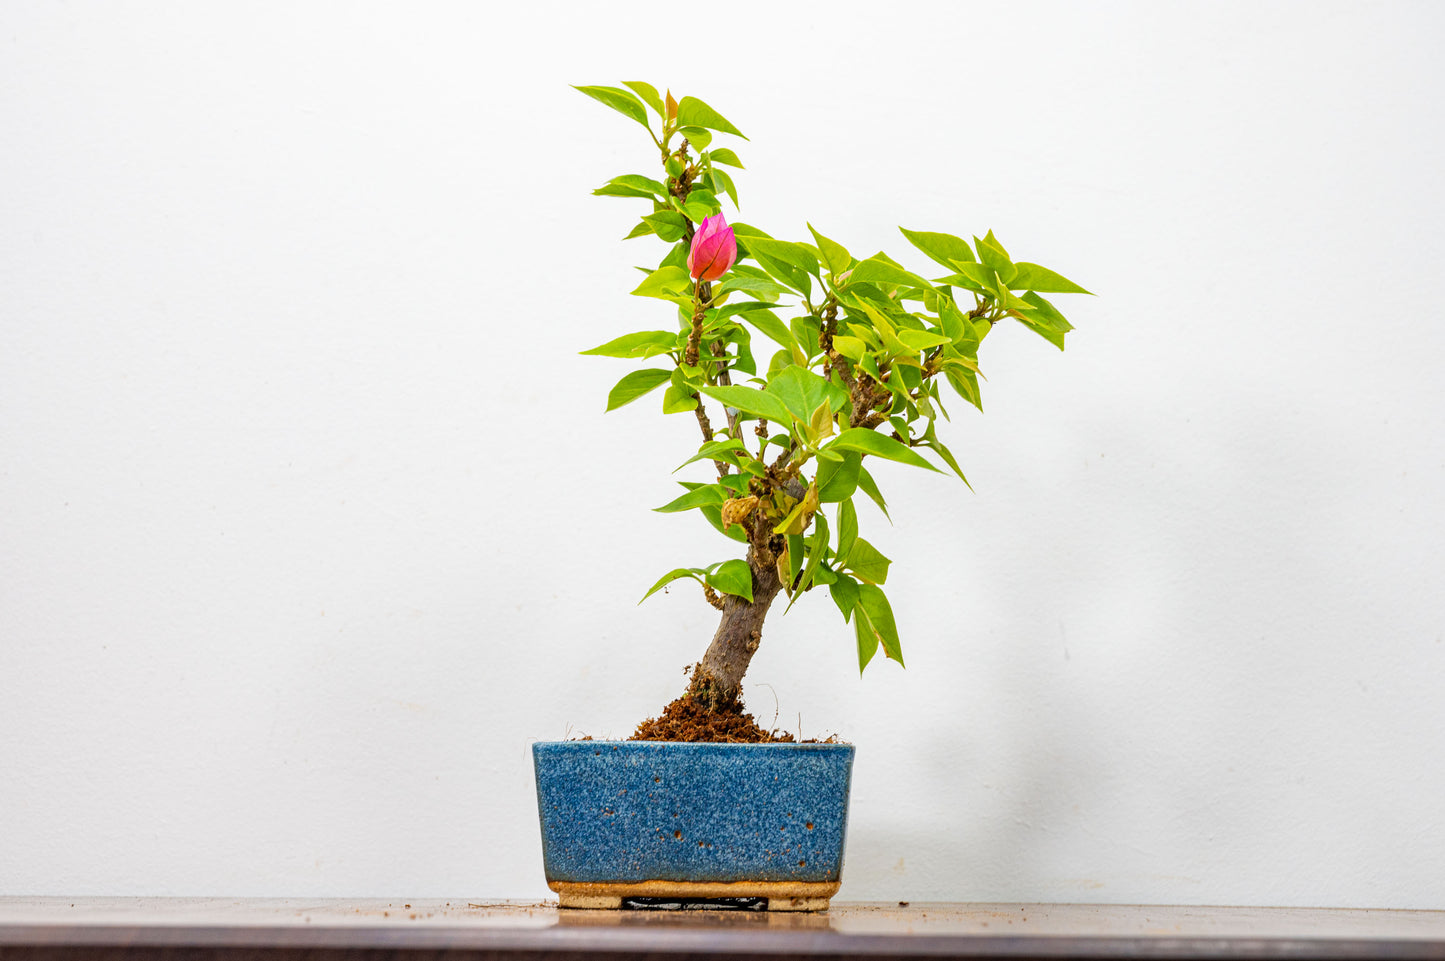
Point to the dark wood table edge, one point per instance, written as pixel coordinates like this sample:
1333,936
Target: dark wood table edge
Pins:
99,941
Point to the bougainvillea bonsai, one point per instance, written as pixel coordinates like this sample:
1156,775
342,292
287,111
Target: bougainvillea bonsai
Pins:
860,347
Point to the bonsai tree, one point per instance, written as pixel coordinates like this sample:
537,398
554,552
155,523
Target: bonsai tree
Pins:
803,365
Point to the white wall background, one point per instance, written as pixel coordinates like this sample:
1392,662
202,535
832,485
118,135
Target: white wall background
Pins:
311,522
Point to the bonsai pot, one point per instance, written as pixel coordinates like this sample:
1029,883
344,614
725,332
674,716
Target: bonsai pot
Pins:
673,820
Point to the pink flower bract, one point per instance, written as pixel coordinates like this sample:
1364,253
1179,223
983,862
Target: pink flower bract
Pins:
714,249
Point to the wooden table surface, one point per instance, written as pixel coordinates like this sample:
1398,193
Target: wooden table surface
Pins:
331,930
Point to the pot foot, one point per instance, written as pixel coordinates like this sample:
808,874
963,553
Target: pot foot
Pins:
798,904
594,902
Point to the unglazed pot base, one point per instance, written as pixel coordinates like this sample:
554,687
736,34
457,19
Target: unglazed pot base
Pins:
781,895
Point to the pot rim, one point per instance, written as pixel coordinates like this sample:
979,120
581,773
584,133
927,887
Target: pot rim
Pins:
702,745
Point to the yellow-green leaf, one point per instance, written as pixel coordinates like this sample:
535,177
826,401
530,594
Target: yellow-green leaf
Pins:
635,385
692,112
871,442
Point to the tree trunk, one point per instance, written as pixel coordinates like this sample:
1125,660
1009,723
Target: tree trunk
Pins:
717,679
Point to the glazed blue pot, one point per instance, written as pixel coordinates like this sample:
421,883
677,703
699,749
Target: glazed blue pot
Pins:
670,819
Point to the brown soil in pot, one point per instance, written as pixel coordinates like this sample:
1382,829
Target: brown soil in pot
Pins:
686,719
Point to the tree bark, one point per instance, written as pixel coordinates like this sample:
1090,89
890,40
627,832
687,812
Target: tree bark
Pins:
717,679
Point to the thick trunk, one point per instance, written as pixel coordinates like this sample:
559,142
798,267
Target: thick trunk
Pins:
717,679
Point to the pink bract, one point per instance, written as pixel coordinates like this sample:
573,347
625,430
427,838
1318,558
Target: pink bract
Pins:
714,249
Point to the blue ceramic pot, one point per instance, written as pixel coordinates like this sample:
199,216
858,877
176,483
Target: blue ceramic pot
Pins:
671,819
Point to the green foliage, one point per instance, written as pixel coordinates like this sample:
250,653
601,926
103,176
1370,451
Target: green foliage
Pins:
645,343
731,577
860,352
692,112
635,385
620,100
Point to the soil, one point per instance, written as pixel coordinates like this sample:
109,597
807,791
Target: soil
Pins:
686,719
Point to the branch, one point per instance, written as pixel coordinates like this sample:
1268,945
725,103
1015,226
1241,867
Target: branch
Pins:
725,379
707,434
699,313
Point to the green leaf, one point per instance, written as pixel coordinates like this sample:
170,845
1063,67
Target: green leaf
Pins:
705,495
715,450
723,155
795,557
692,112
991,252
876,270
1045,320
867,637
639,182
648,93
872,442
750,401
796,255
992,241
837,480
697,137
807,330
870,487
953,323
733,577
873,604
697,211
671,576
869,365
920,340
704,196
677,257
801,391
757,286
937,447
784,272
742,340
835,255
641,230
767,323
619,100
678,399
943,248
817,547
850,347
971,275
844,591
635,385
965,382
725,184
847,529
667,224
666,282
866,562
748,230
744,306
1034,277
735,484
622,190
644,343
